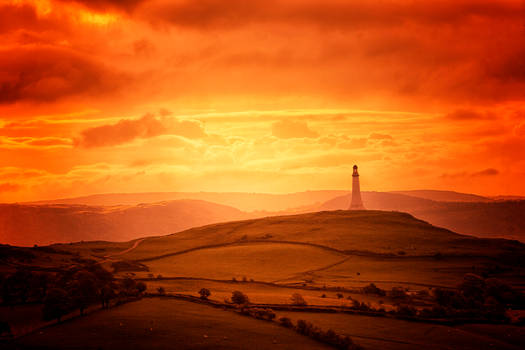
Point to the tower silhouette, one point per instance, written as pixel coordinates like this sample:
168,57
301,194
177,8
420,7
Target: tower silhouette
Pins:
357,202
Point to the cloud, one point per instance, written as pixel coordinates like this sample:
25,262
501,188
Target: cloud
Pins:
148,126
287,129
331,13
45,74
468,114
486,172
104,5
519,129
47,142
465,174
378,136
354,143
9,187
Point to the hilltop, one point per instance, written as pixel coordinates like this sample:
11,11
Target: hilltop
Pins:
343,231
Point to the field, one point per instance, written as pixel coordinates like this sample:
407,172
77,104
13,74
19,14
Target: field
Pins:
258,261
391,334
260,293
165,324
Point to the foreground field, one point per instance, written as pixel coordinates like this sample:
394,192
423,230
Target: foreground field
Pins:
163,324
391,334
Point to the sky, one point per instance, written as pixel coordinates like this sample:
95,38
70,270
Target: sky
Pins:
276,96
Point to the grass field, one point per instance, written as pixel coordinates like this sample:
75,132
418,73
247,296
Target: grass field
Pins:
258,261
414,273
392,334
165,324
259,293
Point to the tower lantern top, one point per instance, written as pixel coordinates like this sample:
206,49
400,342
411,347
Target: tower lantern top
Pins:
355,173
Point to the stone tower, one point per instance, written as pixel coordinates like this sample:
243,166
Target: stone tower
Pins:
357,202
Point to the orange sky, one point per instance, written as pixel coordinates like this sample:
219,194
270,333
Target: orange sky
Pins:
263,96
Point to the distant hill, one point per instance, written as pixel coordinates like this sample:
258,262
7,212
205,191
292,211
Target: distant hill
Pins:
503,219
242,201
444,196
26,225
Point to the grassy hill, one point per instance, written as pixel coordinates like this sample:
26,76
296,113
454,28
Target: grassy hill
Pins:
344,231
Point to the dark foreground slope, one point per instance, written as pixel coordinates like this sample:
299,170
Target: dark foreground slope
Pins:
26,225
166,324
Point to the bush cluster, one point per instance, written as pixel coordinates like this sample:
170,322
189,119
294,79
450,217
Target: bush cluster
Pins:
373,289
239,298
259,313
475,297
298,300
328,337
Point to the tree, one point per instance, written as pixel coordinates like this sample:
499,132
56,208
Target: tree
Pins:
161,290
141,287
204,293
239,298
56,304
297,299
84,290
106,294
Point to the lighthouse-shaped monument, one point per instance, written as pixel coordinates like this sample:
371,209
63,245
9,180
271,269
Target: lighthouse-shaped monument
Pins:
357,202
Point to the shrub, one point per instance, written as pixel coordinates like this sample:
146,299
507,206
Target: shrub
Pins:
297,299
303,327
56,304
423,293
161,290
329,337
406,310
286,322
323,296
373,289
398,293
340,296
360,306
204,293
141,287
239,298
262,314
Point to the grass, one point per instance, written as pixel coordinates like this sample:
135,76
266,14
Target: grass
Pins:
260,261
258,293
414,273
392,334
165,324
